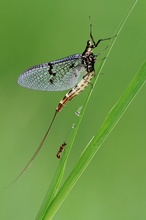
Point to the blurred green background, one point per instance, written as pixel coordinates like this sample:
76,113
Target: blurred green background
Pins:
114,184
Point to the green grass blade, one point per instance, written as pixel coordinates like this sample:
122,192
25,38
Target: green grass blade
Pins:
56,181
53,189
105,129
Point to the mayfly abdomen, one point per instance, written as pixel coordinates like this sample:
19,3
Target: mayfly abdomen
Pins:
75,90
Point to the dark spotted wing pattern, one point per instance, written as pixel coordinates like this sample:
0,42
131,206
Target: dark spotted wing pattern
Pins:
58,75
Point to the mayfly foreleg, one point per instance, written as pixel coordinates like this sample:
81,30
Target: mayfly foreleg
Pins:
95,44
103,39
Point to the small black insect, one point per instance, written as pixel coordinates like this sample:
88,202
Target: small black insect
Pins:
61,148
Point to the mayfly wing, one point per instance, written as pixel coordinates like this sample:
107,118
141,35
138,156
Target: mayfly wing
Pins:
58,75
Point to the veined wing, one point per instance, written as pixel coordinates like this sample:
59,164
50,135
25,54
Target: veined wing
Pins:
58,75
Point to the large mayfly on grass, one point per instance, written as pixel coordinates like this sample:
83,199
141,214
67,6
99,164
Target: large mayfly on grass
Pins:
73,72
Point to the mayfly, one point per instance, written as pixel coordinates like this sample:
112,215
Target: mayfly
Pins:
73,72
61,148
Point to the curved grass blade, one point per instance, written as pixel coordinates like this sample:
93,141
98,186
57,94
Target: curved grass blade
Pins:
48,209
109,123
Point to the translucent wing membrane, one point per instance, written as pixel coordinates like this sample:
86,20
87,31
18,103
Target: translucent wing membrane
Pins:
58,75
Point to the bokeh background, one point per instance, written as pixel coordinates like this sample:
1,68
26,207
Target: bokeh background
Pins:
114,184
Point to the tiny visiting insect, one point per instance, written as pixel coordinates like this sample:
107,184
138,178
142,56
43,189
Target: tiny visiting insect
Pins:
61,148
72,72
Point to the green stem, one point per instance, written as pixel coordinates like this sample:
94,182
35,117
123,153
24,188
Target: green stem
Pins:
105,129
49,206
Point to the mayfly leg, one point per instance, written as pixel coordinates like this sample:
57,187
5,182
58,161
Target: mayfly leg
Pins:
95,44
